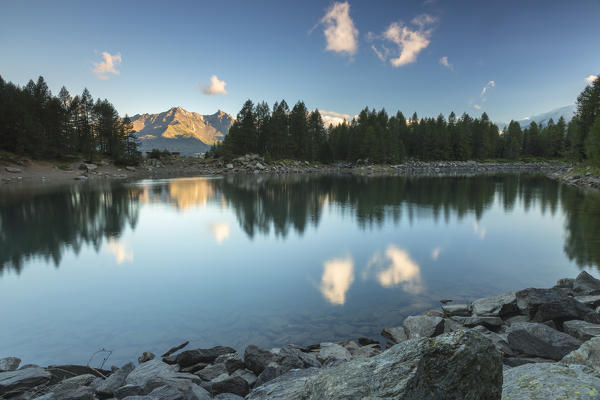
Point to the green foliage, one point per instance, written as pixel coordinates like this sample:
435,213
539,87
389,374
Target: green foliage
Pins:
592,143
33,122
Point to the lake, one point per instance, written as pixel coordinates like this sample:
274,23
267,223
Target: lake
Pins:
238,260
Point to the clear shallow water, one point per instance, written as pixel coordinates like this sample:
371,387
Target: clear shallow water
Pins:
271,260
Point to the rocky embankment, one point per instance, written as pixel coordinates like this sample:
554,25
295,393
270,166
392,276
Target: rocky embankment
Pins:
528,344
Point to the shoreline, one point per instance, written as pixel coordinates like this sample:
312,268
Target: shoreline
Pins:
32,174
517,339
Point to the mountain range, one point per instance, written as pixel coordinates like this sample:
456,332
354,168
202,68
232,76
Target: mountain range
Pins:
179,130
566,112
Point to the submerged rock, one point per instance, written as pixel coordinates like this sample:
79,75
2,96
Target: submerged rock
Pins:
451,310
546,381
535,339
459,365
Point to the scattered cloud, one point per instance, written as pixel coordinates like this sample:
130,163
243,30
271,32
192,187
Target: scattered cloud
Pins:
338,276
120,250
334,118
340,33
401,270
487,86
444,61
410,41
216,86
477,106
103,68
480,231
590,79
220,231
435,253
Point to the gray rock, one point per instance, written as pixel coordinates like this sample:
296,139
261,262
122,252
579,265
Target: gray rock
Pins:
516,361
592,317
74,388
146,356
289,386
128,390
586,284
434,313
271,371
183,390
232,361
228,396
581,330
175,349
502,305
590,301
332,353
107,387
365,351
535,339
212,371
516,318
88,167
193,368
130,168
13,170
488,322
498,341
290,358
257,359
451,310
191,357
395,335
566,283
458,365
549,304
247,375
423,326
547,381
227,384
364,341
229,166
22,379
587,354
9,364
155,373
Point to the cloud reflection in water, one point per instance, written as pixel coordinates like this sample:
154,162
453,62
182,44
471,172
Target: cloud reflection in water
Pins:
402,270
338,275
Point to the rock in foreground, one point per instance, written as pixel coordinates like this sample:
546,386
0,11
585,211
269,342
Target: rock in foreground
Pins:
457,365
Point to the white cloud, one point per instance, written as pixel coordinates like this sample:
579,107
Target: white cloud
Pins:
477,106
444,61
215,86
487,86
334,118
120,250
479,231
435,253
340,33
103,68
410,41
338,275
220,231
590,79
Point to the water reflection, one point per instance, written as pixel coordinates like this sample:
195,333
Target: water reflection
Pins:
120,250
397,268
338,275
47,224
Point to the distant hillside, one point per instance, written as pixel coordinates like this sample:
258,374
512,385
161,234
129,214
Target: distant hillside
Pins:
181,130
566,112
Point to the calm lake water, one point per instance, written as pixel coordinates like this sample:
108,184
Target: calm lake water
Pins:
143,266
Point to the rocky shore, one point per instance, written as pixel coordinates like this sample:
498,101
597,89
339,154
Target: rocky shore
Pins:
27,172
528,344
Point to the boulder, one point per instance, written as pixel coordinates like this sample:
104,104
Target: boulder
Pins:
395,335
128,390
183,390
586,284
88,167
550,381
434,313
365,351
191,357
13,170
451,310
499,341
271,371
175,349
212,371
155,373
549,304
22,379
232,361
146,356
590,301
535,339
192,368
581,329
587,354
364,341
489,322
257,359
458,365
61,372
247,375
227,384
423,326
74,388
565,283
502,305
332,353
107,387
9,364
291,358
228,396
516,361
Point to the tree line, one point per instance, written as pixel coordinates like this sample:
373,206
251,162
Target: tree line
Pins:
33,122
297,133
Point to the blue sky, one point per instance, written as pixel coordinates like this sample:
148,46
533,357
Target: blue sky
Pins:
536,53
